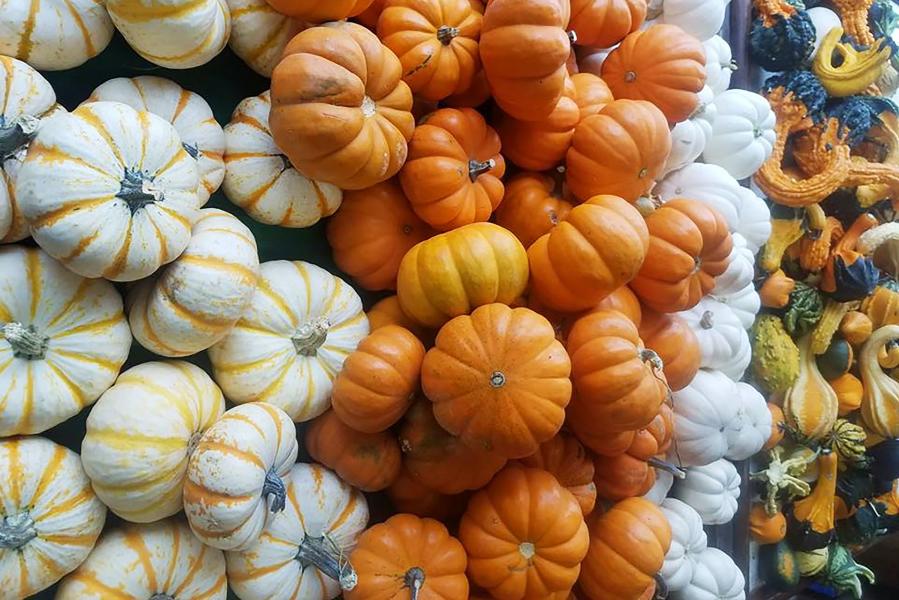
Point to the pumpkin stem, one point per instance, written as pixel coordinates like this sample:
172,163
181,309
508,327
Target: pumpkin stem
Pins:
446,34
652,357
414,580
658,463
26,342
646,205
310,337
369,108
161,596
274,488
497,379
17,530
732,65
630,76
137,190
192,149
708,320
16,135
323,554
572,37
477,168
527,550
661,588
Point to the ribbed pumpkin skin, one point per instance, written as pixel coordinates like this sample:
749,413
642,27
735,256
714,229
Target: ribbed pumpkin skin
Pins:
389,312
604,23
676,344
140,561
408,495
227,495
316,11
592,93
46,490
567,460
531,207
140,435
259,33
87,340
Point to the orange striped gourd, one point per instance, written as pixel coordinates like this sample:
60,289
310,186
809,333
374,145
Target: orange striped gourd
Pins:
810,405
259,33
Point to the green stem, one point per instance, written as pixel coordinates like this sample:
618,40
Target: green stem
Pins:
137,190
310,337
26,342
17,530
414,580
324,555
477,168
274,487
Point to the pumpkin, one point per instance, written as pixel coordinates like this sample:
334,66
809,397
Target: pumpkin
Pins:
259,33
849,391
688,541
689,246
719,63
197,299
524,48
672,339
703,425
620,151
407,556
755,424
604,23
287,348
628,544
810,405
745,303
388,312
740,270
455,272
813,515
699,18
452,176
63,340
778,426
201,135
302,550
723,342
51,516
61,34
592,93
408,495
690,136
141,433
160,560
597,249
179,35
368,461
532,205
715,575
765,528
369,16
516,554
742,133
100,204
880,400
661,64
568,461
340,111
316,12
659,490
712,490
477,93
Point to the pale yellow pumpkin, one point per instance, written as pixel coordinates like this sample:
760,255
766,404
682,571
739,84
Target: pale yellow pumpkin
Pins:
259,33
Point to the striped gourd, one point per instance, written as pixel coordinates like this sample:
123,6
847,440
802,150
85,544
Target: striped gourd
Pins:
303,552
54,34
51,516
140,435
198,298
201,135
260,179
235,477
259,34
159,561
109,191
290,344
810,405
63,339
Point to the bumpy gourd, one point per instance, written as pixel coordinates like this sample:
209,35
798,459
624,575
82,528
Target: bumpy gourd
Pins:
775,357
880,402
804,310
810,405
782,37
856,69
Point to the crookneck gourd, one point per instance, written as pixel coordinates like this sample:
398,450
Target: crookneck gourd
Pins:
881,243
882,307
849,275
845,70
880,401
810,405
814,514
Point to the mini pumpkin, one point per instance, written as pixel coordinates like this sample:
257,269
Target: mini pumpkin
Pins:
704,426
675,343
389,312
712,490
259,33
571,464
408,495
700,18
604,23
316,12
688,541
592,93
532,205
723,342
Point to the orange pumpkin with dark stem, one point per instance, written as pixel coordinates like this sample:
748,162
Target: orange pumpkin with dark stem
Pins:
498,379
453,174
689,245
340,110
532,206
368,461
371,233
316,11
604,23
621,150
675,343
389,312
592,94
778,426
765,528
570,464
408,495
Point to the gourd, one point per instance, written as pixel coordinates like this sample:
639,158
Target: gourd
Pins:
810,404
836,360
756,424
849,391
699,18
856,327
778,565
848,441
712,490
880,400
704,426
63,339
719,64
745,303
812,562
690,136
303,550
688,540
776,290
98,203
292,340
140,436
778,426
341,120
259,33
160,559
782,37
882,307
723,342
843,573
408,495
604,23
569,462
180,35
532,205
742,133
814,514
804,310
51,515
197,298
785,477
672,339
765,528
775,358
254,444
823,20
854,69
715,575
316,12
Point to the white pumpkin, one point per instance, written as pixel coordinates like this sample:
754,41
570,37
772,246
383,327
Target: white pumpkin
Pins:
302,551
711,490
688,541
719,64
715,577
755,424
197,299
824,20
109,191
287,349
703,419
700,18
51,516
742,134
177,34
63,339
755,220
52,35
689,137
723,341
201,135
744,303
709,184
158,561
140,435
740,269
260,179
259,34
661,487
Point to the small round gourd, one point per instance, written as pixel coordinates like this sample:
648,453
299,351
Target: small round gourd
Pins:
259,33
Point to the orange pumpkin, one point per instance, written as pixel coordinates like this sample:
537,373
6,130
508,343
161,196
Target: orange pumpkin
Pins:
675,343
475,95
592,94
604,23
340,111
389,312
453,174
369,16
662,64
316,11
570,464
408,495
371,233
498,379
764,528
778,426
532,206
625,301
620,151
689,245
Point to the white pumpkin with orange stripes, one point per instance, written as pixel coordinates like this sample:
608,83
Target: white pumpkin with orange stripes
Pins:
260,179
235,477
109,191
197,299
302,552
158,561
51,516
201,135
259,34
63,340
292,341
140,435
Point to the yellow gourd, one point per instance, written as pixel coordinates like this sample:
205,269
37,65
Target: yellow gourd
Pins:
854,71
816,511
856,327
831,317
810,405
882,307
880,401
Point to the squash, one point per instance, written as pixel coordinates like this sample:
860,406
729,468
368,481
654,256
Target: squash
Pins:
532,205
302,551
688,541
848,440
880,400
455,272
254,443
316,12
842,572
813,516
408,495
845,70
712,490
569,462
709,184
51,515
604,23
782,37
745,304
700,18
704,426
715,575
724,344
882,307
765,528
836,360
742,133
776,290
804,310
592,93
63,340
340,111
259,34
755,424
775,357
508,550
287,348
778,565
719,63
161,559
659,490
672,339
856,327
810,405
690,136
849,391
778,426
388,312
